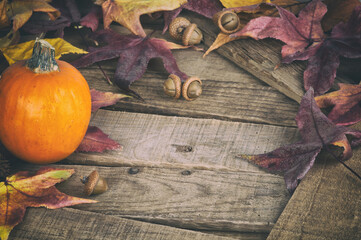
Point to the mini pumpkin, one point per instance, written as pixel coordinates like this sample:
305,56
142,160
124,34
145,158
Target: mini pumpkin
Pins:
45,107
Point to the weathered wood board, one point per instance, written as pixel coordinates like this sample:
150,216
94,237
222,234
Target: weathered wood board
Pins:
326,205
154,140
66,224
242,201
259,58
228,93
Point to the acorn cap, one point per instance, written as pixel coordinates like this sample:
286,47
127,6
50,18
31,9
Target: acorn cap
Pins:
94,184
192,35
192,88
172,86
227,21
177,27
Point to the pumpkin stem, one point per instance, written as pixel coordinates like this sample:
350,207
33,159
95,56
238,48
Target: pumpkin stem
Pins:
43,58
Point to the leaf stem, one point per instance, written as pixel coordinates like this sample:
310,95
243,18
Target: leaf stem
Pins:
342,162
98,64
327,148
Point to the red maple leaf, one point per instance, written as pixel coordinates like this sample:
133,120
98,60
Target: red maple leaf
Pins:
316,131
305,40
97,141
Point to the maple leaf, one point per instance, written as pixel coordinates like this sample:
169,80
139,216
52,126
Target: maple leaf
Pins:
316,131
248,12
24,50
346,104
127,12
305,40
19,11
205,8
97,141
104,99
24,190
134,53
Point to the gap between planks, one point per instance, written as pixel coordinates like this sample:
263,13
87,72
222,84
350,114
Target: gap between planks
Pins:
260,59
229,92
154,140
201,200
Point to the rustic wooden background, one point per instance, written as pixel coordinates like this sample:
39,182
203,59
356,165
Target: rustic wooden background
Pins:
178,175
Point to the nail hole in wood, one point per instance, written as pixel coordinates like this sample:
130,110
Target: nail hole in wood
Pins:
133,170
186,173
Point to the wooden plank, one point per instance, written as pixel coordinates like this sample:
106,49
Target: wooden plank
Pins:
259,58
40,223
153,140
229,93
242,201
326,205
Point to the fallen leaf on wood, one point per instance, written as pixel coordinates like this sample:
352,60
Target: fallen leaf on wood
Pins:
205,8
19,11
345,102
104,99
24,50
305,40
316,131
127,12
221,39
24,190
247,13
134,53
97,141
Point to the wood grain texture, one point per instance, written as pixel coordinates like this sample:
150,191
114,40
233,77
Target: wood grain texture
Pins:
260,59
66,224
326,205
229,92
153,140
242,201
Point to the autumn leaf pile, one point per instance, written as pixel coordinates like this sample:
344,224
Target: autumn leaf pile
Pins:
320,32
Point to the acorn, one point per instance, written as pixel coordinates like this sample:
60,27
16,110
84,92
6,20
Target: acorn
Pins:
94,184
227,21
192,88
177,27
172,86
192,35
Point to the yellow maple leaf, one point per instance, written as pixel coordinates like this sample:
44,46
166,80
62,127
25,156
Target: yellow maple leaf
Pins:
242,3
127,12
24,50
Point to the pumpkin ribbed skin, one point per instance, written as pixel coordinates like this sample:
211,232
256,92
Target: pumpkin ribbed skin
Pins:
43,117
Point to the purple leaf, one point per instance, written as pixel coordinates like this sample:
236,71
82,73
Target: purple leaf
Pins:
104,99
316,131
346,37
97,141
91,20
321,69
205,8
134,53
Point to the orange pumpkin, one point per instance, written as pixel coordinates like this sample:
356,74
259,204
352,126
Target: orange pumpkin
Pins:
44,115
